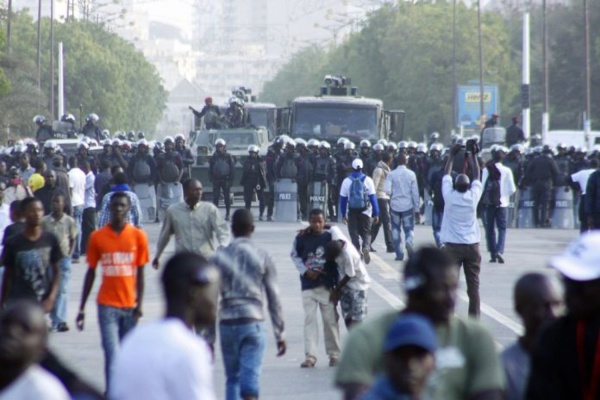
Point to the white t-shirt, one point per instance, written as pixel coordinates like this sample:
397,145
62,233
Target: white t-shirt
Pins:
350,263
77,185
35,384
162,360
581,178
507,183
369,186
459,225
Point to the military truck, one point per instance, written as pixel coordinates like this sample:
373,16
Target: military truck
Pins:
338,111
202,144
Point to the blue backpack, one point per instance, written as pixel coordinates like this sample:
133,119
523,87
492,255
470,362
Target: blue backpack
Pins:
358,198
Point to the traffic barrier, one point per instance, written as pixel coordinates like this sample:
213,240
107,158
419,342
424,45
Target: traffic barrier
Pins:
147,196
286,201
525,210
511,211
317,196
562,217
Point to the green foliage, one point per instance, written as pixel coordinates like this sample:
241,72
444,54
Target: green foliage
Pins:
403,55
103,73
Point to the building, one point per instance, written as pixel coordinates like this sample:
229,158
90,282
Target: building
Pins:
177,117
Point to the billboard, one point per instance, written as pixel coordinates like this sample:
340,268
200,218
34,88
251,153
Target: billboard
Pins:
468,97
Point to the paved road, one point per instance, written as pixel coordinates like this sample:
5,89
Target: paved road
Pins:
282,378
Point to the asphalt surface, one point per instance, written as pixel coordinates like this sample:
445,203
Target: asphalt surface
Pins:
282,378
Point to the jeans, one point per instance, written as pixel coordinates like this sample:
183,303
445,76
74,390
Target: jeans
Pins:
469,257
88,225
384,221
243,347
495,217
114,324
222,187
359,226
311,300
260,195
77,216
403,220
436,225
59,311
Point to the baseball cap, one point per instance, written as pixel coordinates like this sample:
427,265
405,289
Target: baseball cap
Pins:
411,330
357,164
581,260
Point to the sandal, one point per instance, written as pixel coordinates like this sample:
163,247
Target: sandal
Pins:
308,363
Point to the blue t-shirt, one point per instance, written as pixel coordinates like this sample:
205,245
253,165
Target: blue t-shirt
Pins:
311,249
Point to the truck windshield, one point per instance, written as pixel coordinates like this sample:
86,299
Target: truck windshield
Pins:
334,121
237,140
263,117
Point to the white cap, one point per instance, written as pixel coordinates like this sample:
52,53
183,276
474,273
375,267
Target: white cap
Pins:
581,260
357,163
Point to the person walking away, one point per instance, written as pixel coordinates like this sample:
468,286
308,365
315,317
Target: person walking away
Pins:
170,171
430,281
409,359
514,133
460,230
31,261
88,218
195,224
254,180
580,179
273,154
537,301
221,172
23,337
498,185
65,229
353,279
308,255
134,213
402,188
358,203
565,359
541,176
121,250
163,359
246,273
77,183
380,174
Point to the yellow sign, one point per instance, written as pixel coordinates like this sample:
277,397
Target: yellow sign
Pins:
474,97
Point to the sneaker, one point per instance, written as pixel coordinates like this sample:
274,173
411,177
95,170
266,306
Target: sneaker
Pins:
493,259
308,363
62,327
366,255
270,218
333,361
227,217
399,258
261,218
500,258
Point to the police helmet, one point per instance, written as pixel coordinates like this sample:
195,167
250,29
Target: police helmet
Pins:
131,135
546,149
92,117
301,142
220,142
421,148
561,146
313,143
365,143
290,142
117,142
168,139
121,136
143,142
325,145
411,145
68,118
519,148
402,144
179,136
436,147
49,144
253,148
105,133
378,147
106,142
92,142
382,142
580,150
83,144
434,136
141,135
392,146
39,119
349,145
342,141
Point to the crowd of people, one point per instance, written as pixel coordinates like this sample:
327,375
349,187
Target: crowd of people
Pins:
219,274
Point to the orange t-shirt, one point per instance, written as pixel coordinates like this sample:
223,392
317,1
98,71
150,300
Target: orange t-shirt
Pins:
119,254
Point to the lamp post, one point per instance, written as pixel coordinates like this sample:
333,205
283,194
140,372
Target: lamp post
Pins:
8,26
586,45
481,93
454,64
545,115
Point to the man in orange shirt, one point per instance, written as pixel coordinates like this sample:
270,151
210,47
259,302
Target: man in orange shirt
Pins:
122,251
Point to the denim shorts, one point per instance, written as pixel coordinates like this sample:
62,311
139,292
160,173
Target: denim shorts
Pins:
354,304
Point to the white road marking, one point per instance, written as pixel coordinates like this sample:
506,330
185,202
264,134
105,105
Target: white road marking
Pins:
394,301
